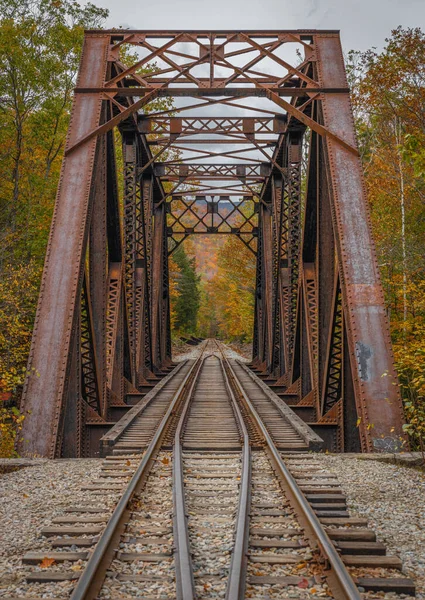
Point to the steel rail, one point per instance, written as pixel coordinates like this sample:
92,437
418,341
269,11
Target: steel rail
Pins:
236,582
185,585
91,580
337,575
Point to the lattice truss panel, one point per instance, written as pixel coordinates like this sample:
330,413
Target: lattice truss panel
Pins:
210,133
219,215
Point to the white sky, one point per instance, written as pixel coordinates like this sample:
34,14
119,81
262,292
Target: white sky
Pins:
363,23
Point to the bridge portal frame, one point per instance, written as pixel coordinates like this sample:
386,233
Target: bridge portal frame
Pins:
102,328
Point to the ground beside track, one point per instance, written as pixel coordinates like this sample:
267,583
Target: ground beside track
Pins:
29,499
391,497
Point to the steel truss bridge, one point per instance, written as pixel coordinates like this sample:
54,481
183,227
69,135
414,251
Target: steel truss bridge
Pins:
259,143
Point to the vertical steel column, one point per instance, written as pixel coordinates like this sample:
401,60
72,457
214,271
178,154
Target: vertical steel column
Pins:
160,289
295,139
144,281
50,357
277,367
267,284
131,218
115,296
257,351
97,270
374,378
166,314
286,202
264,288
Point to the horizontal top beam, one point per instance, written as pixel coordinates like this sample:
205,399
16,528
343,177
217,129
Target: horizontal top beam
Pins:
211,91
206,32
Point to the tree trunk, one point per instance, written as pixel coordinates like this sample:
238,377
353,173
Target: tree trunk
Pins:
16,173
403,221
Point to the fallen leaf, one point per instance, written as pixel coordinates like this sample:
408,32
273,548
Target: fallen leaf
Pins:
303,584
128,463
165,460
76,567
47,562
25,495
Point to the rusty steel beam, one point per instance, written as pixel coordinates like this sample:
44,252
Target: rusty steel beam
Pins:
119,36
46,386
237,92
377,398
195,125
207,141
287,90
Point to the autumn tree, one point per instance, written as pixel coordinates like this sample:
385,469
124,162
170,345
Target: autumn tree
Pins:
227,301
389,104
40,45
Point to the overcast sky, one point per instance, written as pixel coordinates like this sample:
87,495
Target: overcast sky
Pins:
363,23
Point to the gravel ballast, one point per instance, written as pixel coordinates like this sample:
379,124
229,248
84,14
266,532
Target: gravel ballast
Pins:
195,351
29,499
392,498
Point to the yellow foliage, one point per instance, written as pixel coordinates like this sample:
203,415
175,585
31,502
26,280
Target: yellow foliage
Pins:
173,270
10,426
18,300
227,302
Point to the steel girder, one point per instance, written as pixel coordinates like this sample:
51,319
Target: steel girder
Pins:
96,338
103,322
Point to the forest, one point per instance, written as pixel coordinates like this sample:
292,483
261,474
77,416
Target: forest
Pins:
212,279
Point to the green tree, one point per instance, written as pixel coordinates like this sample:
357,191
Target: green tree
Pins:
188,296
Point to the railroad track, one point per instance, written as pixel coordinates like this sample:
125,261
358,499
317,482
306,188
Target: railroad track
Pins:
219,498
340,552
